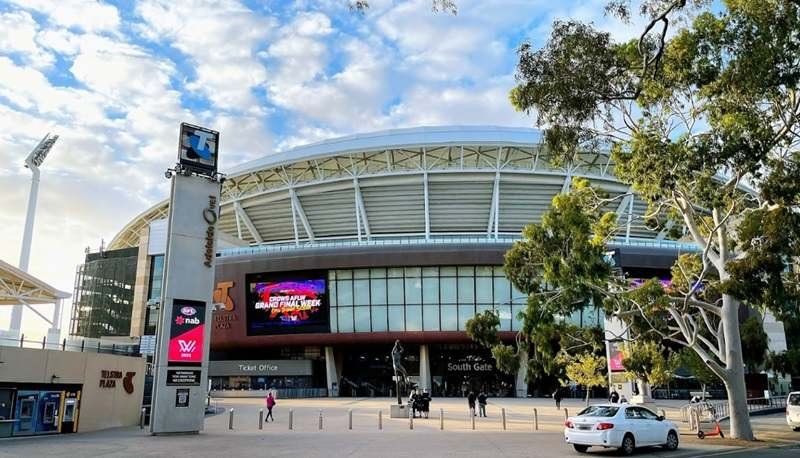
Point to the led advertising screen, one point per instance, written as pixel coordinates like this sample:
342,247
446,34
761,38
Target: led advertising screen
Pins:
615,356
285,303
186,333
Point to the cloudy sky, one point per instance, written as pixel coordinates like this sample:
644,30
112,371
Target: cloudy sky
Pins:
114,79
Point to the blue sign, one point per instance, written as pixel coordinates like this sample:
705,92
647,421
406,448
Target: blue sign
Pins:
198,149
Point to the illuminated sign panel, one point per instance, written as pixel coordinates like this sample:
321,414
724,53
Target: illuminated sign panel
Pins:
198,148
285,303
187,331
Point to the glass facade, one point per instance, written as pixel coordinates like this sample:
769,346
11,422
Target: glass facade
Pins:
438,298
154,293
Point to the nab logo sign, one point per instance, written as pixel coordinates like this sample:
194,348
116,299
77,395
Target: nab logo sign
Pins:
222,298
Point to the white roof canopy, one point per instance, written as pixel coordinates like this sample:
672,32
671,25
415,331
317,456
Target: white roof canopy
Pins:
19,287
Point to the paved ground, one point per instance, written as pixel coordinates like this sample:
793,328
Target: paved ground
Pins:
396,439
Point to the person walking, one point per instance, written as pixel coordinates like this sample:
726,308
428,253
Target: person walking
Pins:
471,402
614,398
482,403
557,397
270,405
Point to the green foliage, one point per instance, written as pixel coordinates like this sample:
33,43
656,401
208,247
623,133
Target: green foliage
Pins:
482,328
785,363
754,343
586,369
649,361
688,359
506,358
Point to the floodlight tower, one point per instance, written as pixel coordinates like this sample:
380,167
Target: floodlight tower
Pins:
33,162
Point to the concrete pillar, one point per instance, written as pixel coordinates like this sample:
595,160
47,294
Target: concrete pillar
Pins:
521,385
331,373
424,368
140,288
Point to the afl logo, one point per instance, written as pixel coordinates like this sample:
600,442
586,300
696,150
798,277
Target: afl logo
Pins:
188,311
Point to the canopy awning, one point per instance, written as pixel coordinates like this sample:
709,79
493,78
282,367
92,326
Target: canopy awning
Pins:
19,287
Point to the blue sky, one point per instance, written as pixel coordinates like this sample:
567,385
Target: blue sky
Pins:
114,79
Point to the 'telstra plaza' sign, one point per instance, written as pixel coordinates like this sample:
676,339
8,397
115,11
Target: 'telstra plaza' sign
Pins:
108,379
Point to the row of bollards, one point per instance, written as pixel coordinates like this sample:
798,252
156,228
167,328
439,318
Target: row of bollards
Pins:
380,419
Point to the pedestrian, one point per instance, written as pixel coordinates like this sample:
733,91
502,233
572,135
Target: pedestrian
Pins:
482,403
557,397
471,402
623,399
270,405
614,398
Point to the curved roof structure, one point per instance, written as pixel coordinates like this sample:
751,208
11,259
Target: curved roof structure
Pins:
418,182
20,287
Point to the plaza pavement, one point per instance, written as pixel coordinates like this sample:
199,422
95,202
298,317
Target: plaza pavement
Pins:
396,439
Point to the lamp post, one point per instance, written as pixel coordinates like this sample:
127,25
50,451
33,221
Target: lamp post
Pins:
33,161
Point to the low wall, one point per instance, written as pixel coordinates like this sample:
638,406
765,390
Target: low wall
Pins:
113,385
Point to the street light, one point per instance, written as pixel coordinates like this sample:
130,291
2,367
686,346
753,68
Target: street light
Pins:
33,162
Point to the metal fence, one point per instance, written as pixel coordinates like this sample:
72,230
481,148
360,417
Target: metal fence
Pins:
720,410
79,345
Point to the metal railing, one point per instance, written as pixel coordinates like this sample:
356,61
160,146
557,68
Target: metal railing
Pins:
720,410
77,345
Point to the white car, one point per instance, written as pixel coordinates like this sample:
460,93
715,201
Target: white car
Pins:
793,410
621,426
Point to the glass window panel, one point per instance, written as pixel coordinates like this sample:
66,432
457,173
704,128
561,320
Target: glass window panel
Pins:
516,322
483,271
465,312
430,290
413,272
332,293
361,292
344,274
377,272
448,290
430,317
344,293
482,308
447,271
345,319
362,319
379,319
396,318
502,290
449,318
413,290
466,290
430,271
334,320
483,290
378,291
413,318
466,271
504,313
395,272
517,297
396,295
361,273
498,271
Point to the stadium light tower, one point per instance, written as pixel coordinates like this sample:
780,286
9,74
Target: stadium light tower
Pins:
33,162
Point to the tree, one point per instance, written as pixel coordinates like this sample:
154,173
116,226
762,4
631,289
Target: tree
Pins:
754,343
691,362
585,369
702,123
648,362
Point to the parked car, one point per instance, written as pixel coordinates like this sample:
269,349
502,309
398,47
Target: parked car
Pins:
793,410
621,426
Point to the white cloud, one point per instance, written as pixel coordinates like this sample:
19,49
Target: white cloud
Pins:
88,15
18,35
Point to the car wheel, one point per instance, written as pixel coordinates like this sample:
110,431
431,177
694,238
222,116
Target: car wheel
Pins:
672,441
580,448
796,428
628,445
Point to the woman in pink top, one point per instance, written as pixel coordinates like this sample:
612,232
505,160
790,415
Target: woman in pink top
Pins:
270,405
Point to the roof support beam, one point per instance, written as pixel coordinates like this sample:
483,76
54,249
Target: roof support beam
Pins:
630,218
494,210
237,206
663,234
626,207
425,195
361,210
298,209
567,179
238,225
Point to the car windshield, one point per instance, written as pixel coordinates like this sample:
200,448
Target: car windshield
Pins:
599,411
794,400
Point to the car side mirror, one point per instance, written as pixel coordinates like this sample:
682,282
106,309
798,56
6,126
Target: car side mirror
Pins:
660,418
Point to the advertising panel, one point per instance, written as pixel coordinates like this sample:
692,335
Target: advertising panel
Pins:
186,333
615,356
198,149
284,303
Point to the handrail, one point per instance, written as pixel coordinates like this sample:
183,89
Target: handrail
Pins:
720,410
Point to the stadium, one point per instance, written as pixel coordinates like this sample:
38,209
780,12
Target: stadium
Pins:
331,252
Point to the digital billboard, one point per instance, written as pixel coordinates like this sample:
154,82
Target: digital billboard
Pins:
615,356
285,303
186,333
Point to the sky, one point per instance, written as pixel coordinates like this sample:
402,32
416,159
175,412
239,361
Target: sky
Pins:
114,79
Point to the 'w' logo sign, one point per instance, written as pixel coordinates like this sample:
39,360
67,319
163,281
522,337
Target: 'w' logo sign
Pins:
187,346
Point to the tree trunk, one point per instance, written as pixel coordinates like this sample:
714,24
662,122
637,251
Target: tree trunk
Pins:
734,382
587,395
703,387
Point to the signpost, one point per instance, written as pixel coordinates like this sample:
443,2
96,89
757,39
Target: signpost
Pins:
181,356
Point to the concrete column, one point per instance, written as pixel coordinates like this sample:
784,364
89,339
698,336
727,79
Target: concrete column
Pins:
521,385
331,373
424,368
140,288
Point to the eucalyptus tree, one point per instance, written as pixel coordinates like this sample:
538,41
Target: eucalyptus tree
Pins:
700,114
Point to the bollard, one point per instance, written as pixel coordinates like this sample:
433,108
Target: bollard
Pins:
350,419
44,342
21,340
260,418
230,420
535,420
503,414
566,414
472,415
64,345
141,418
441,419
411,422
320,420
380,420
291,419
